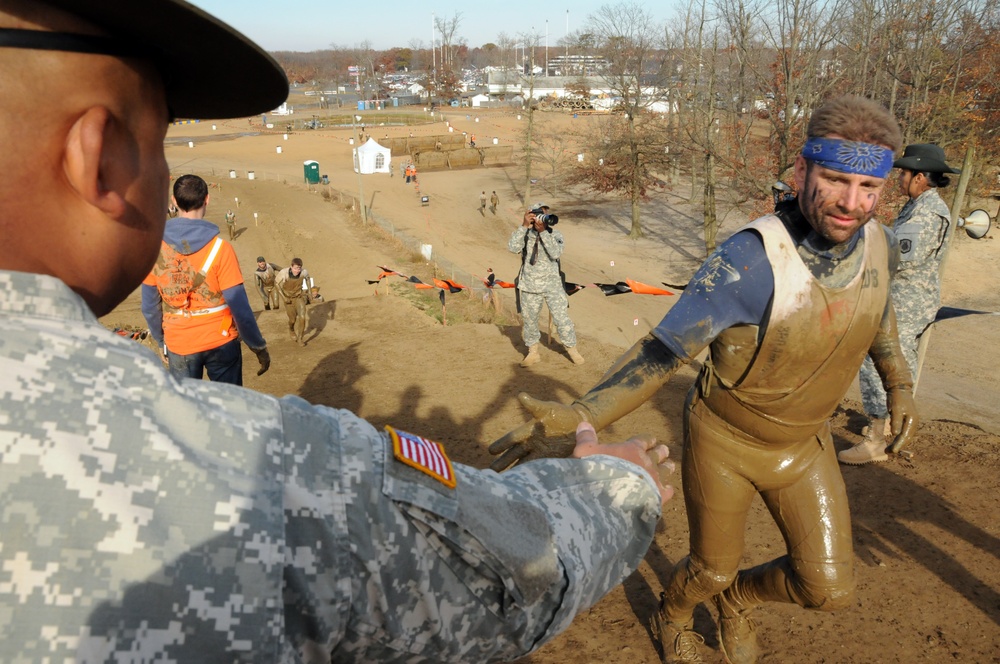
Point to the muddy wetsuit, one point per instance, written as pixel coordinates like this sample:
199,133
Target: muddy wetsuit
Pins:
293,293
788,325
265,280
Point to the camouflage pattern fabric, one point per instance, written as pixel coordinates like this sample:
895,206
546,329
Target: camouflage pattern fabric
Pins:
541,282
151,519
558,303
922,229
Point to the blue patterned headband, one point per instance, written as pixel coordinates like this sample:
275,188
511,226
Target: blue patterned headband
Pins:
838,154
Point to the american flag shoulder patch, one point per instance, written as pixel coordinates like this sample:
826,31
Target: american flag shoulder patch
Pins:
422,454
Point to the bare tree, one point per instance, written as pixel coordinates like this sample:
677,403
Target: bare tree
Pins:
530,107
632,148
801,32
448,27
506,45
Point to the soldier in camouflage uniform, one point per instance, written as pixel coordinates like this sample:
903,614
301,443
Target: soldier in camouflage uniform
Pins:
153,519
540,281
922,230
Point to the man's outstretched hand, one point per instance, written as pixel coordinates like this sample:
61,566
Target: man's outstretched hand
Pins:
548,434
640,450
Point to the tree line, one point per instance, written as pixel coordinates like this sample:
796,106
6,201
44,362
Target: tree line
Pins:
722,91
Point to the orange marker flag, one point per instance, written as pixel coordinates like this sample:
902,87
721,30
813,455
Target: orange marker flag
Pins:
645,289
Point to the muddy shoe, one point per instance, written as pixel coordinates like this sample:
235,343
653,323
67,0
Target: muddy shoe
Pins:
574,355
737,632
532,357
871,449
679,643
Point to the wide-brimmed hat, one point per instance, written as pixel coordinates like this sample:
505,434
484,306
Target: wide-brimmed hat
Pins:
924,158
209,69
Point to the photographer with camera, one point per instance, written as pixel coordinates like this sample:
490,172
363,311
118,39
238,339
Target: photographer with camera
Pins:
540,280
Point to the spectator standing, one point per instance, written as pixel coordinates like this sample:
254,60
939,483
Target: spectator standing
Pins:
540,281
194,300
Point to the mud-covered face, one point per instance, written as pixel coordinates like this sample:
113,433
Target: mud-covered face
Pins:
835,204
296,270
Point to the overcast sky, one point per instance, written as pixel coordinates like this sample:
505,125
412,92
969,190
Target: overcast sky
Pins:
280,26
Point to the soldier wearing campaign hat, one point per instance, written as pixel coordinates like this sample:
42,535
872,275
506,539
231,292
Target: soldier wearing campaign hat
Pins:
923,228
149,518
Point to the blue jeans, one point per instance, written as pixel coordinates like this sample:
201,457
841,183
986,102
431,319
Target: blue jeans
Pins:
224,364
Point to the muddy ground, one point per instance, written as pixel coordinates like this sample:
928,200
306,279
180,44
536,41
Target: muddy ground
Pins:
926,529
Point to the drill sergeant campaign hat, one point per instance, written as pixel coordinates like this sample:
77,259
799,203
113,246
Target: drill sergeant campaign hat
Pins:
209,70
924,158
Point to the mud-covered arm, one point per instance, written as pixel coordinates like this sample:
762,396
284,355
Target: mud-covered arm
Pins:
732,287
891,366
633,379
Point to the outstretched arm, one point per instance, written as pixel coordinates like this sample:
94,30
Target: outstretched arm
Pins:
629,383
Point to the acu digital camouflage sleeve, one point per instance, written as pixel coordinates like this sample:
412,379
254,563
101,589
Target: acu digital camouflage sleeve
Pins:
147,519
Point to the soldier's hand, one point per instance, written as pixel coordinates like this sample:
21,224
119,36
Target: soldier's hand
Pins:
904,420
548,434
640,450
264,358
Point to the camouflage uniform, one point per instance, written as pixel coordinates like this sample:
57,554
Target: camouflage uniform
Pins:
151,519
539,281
921,227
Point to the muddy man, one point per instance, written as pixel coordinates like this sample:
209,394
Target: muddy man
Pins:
788,308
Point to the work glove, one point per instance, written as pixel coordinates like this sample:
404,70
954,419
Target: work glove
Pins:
898,382
903,414
629,383
550,433
264,358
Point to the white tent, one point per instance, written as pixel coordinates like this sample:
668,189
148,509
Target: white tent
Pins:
373,158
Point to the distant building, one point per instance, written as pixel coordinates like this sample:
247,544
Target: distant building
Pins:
576,65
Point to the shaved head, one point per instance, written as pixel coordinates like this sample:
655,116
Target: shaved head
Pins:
83,161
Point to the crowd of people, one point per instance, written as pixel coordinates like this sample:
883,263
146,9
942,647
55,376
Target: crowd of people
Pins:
153,515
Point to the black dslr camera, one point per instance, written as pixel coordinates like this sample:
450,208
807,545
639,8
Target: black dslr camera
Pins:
549,220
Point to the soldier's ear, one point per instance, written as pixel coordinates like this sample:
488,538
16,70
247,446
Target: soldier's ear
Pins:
87,158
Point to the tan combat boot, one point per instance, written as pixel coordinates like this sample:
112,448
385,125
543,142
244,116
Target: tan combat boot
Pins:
574,355
737,631
532,357
678,643
871,449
